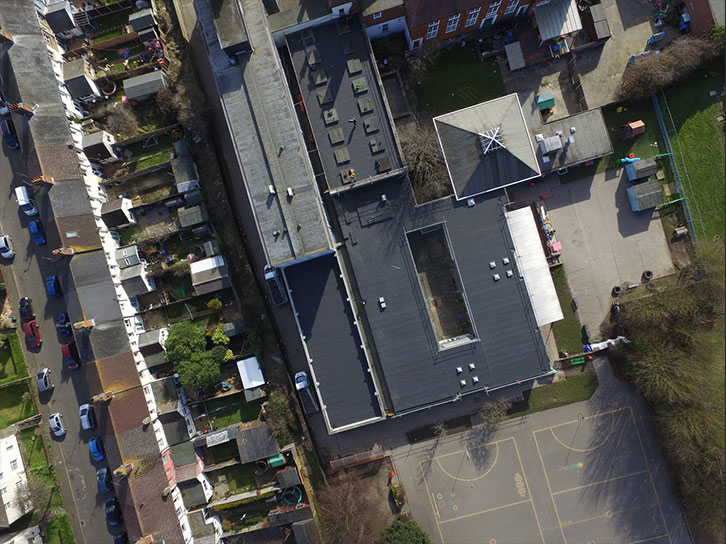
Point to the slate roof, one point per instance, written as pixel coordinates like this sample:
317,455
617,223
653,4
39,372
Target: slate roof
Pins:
190,217
203,532
192,493
75,78
184,169
132,279
464,135
423,12
76,227
139,87
644,196
112,213
306,532
127,256
415,372
287,477
58,19
142,19
255,441
175,427
165,394
95,148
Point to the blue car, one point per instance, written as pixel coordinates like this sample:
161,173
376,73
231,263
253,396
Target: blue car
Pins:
95,445
63,324
37,232
52,286
103,477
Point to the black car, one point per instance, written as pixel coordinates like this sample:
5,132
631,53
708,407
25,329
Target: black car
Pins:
113,512
121,539
26,309
63,324
103,477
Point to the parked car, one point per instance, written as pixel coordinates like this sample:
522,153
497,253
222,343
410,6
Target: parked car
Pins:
301,380
32,334
4,108
113,512
95,446
26,309
10,137
121,539
70,355
56,424
6,247
43,380
52,286
88,418
36,232
63,324
103,477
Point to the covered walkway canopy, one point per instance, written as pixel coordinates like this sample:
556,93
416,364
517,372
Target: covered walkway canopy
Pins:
557,18
514,55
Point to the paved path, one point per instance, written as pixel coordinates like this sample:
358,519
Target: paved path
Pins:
588,472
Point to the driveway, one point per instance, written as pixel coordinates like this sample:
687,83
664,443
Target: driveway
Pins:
24,277
590,472
604,243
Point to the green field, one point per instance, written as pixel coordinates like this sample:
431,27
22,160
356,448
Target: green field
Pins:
59,531
12,362
34,449
567,331
701,143
234,410
457,80
239,477
574,388
15,405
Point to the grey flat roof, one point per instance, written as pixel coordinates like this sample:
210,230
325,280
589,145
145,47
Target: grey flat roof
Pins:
145,84
369,7
339,363
415,371
255,441
229,23
261,118
340,84
591,136
464,136
294,12
175,427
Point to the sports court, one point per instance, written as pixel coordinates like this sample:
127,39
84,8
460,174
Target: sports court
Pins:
593,485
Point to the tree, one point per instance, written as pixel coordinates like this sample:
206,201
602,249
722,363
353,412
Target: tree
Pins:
439,429
200,370
405,531
120,121
427,170
185,338
214,304
493,413
35,494
217,336
279,417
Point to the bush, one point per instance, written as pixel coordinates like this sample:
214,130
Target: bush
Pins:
217,336
215,304
493,413
279,417
254,341
405,531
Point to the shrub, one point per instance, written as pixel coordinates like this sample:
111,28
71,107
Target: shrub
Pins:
214,304
405,531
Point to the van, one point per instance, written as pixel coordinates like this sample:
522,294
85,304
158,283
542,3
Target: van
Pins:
25,203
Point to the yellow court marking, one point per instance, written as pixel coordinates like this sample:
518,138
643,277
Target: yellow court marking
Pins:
484,511
549,487
456,478
474,448
601,444
647,465
577,420
607,514
428,492
649,539
529,492
598,483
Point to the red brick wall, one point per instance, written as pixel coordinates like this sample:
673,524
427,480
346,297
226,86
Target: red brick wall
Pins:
420,31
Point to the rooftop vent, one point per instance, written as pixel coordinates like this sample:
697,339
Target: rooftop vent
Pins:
271,188
472,366
496,277
383,198
492,264
459,370
505,260
462,383
475,379
510,273
491,140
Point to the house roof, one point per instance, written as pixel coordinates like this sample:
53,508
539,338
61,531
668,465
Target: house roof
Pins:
185,461
94,145
285,515
255,441
113,214
127,256
175,427
486,146
192,493
210,275
644,196
75,78
76,227
190,217
266,535
423,12
202,531
184,169
287,477
144,85
306,532
193,197
369,7
58,18
250,373
165,394
132,279
142,19
151,341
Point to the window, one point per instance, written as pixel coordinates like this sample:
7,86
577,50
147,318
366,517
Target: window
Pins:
416,43
19,484
14,464
3,490
377,15
384,27
10,447
7,506
511,7
493,8
471,17
452,23
165,459
432,30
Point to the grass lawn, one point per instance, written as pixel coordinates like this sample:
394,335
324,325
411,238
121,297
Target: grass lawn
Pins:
59,531
701,142
239,477
34,448
575,388
224,452
127,233
457,80
15,405
7,367
151,160
232,409
12,361
568,331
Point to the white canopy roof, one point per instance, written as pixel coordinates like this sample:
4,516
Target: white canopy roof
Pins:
532,265
557,18
251,373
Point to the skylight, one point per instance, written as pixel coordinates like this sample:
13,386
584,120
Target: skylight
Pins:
491,140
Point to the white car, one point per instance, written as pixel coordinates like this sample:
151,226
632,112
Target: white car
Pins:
44,383
56,424
88,418
301,380
6,246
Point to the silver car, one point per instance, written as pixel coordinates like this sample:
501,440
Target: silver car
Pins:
88,418
56,424
6,246
44,383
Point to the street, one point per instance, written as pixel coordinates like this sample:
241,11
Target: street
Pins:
24,276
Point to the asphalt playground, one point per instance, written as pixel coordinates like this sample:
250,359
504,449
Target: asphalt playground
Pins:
574,475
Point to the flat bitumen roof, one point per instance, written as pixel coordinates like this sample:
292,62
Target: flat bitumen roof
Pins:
339,84
294,12
268,143
333,343
416,372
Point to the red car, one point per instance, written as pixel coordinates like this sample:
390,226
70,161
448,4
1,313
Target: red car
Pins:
70,355
32,334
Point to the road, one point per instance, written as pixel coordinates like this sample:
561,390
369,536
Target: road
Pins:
24,276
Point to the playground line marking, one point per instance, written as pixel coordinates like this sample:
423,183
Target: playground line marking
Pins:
484,511
599,483
456,478
601,444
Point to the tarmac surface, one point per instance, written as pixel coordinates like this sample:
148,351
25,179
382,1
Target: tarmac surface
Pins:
590,472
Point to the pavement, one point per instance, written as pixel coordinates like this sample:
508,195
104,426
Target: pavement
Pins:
24,276
604,243
589,472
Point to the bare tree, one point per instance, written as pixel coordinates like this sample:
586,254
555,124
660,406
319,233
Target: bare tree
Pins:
420,62
427,170
120,121
35,494
493,413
